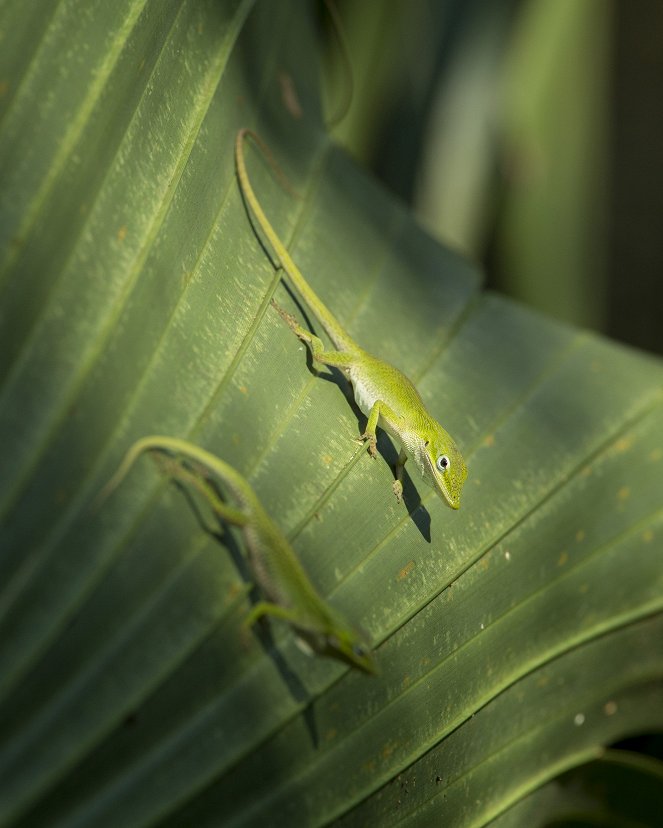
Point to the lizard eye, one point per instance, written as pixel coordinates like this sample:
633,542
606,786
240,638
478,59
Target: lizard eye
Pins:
358,650
443,463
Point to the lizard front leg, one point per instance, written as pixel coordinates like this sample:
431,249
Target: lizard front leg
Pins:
398,483
381,409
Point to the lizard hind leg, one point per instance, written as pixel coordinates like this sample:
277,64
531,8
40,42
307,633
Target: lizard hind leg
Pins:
294,326
336,359
263,608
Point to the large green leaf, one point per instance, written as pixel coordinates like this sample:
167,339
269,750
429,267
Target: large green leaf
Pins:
515,637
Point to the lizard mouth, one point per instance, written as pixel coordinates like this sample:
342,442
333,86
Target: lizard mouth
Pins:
454,503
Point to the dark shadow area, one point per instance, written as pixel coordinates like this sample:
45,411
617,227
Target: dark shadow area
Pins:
635,243
650,744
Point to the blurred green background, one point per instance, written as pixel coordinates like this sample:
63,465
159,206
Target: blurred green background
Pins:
527,134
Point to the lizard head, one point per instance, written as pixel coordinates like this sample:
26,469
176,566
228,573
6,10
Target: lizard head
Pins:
342,642
347,645
442,465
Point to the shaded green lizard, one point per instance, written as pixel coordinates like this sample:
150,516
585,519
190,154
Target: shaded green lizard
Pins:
276,569
384,394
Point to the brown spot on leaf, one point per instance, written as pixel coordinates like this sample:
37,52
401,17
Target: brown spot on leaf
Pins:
624,493
405,571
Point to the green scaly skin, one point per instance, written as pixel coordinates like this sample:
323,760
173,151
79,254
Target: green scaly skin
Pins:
277,571
382,392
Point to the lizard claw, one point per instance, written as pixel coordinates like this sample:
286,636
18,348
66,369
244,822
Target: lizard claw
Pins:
288,318
397,488
372,442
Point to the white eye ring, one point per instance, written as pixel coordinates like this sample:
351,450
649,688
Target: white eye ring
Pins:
443,463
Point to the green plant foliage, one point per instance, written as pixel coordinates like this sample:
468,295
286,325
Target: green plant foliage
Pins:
515,637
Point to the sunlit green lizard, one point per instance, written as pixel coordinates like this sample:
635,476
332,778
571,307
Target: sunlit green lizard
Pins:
382,392
277,571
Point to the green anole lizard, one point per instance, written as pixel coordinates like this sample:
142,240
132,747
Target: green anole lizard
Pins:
384,394
277,571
